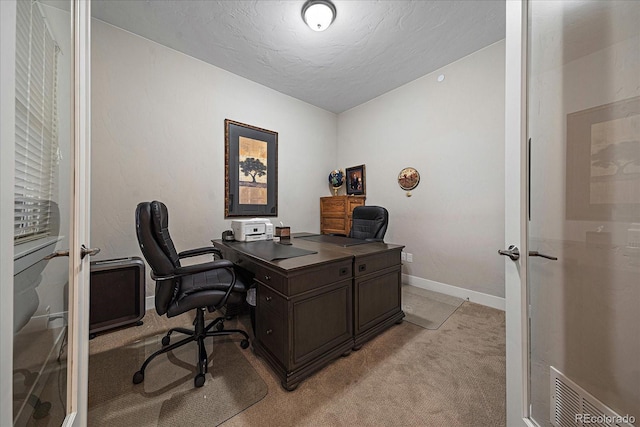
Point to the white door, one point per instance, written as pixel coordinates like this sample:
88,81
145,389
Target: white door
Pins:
78,365
46,168
583,122
573,91
515,214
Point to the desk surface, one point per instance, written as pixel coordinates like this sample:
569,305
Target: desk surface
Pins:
323,252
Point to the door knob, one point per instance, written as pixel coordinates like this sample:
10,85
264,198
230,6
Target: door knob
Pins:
84,251
57,254
513,252
536,253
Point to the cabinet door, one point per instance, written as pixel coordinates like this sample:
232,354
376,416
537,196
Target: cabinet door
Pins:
321,321
378,297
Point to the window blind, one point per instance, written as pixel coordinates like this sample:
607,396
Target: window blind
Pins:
36,123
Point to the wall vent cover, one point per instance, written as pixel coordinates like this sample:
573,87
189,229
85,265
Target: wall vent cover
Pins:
572,406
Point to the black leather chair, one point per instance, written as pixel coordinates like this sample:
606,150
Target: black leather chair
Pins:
369,223
179,289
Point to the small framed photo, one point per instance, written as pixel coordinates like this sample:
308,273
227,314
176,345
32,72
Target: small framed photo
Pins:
356,180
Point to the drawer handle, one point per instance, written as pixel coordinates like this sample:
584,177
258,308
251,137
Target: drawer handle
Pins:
362,267
343,271
269,331
268,299
267,277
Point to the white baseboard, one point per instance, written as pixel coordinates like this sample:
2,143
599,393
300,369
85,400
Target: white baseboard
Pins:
454,291
149,303
431,285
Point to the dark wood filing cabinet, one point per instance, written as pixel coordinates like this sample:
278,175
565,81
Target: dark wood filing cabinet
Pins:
377,292
315,308
336,213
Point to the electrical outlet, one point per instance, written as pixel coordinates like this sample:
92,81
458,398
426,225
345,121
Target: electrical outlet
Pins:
403,256
409,257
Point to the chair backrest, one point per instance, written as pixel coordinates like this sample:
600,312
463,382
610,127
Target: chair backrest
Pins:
369,222
152,230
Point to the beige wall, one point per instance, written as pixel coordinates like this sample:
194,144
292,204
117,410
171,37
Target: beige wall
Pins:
158,133
452,132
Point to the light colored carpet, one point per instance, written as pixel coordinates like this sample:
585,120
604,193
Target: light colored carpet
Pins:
427,308
407,376
167,396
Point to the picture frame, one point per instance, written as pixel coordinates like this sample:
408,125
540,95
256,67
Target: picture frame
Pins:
603,167
355,179
251,171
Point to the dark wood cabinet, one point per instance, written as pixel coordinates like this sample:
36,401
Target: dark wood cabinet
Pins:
336,213
377,289
312,309
300,332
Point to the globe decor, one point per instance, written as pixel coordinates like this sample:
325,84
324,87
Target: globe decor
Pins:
336,179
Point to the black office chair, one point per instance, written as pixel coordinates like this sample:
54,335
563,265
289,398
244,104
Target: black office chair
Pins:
369,223
179,289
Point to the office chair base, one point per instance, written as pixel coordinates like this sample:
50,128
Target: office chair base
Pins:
198,334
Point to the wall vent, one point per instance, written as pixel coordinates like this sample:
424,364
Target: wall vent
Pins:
572,406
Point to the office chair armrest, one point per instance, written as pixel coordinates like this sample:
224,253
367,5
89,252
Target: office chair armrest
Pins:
199,268
200,251
193,269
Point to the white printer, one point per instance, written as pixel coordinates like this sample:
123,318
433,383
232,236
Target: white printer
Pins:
251,230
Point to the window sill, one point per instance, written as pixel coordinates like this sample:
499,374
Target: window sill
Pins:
29,253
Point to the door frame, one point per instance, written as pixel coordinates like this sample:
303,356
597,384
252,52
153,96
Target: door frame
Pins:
79,267
516,208
7,174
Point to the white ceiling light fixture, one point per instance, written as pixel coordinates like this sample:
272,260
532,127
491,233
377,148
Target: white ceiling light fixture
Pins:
318,14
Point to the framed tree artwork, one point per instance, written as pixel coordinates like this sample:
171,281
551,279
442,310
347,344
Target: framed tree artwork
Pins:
251,171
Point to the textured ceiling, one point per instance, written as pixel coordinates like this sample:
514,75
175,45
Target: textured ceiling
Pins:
371,48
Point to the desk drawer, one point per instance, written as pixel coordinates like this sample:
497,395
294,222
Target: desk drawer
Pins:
335,205
372,263
271,278
320,276
271,332
334,223
269,299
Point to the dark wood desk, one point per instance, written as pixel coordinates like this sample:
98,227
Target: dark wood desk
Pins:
314,308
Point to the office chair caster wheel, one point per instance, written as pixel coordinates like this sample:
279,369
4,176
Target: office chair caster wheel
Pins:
220,326
166,340
198,381
138,377
244,344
